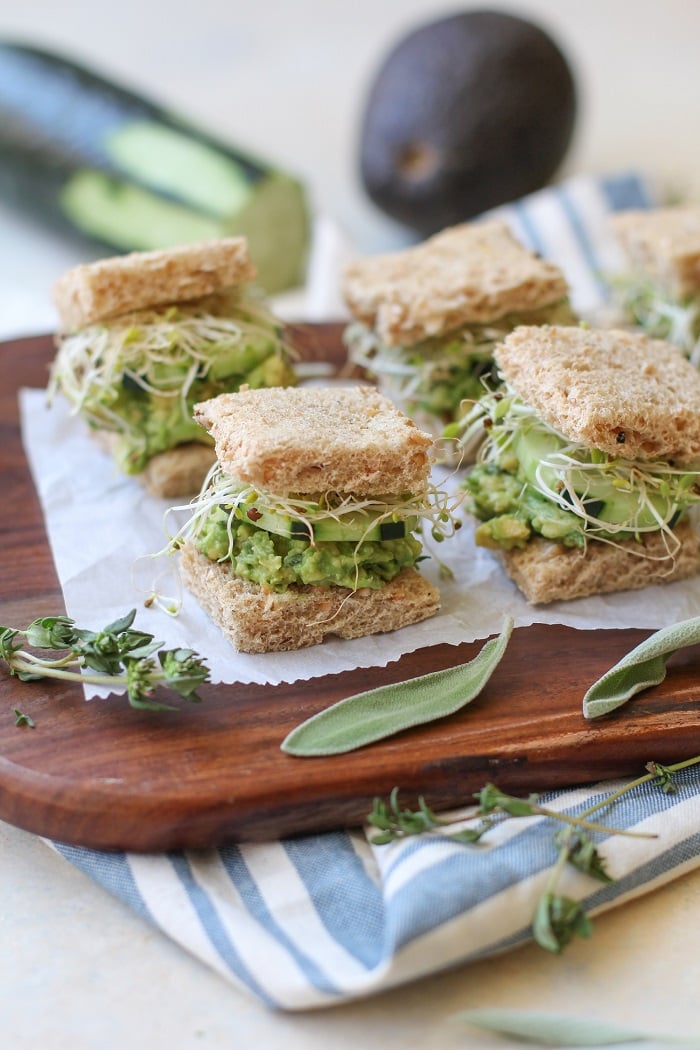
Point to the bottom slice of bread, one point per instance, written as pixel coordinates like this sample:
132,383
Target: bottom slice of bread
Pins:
260,621
546,571
177,472
180,471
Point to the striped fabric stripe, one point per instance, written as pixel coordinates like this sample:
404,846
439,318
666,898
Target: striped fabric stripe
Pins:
325,918
568,225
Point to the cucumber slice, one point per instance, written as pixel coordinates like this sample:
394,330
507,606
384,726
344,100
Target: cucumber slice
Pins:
352,528
602,499
90,155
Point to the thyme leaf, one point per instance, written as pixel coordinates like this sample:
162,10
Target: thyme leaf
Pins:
118,656
397,823
557,920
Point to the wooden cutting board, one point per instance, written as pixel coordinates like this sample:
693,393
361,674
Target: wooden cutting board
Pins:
103,775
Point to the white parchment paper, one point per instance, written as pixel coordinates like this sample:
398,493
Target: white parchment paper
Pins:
103,529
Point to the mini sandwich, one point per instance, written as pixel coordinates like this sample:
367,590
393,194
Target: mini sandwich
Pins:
660,290
306,526
589,462
145,336
427,318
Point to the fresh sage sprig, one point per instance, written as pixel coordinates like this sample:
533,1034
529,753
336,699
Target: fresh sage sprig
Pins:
557,918
564,1030
378,713
118,657
643,667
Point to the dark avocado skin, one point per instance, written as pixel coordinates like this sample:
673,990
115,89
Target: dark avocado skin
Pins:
465,113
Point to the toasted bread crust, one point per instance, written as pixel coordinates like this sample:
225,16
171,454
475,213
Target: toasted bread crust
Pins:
97,291
547,572
258,621
306,440
473,273
664,244
623,393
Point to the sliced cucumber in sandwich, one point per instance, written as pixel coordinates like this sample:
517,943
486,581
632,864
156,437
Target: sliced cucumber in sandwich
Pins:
352,527
594,494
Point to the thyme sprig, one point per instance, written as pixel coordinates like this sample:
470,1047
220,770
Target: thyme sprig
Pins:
396,823
118,656
557,918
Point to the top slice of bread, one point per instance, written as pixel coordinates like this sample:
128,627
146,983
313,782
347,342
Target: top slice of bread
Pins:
623,393
473,273
98,291
306,440
664,244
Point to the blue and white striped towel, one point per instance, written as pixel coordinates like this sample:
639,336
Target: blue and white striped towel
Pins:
312,921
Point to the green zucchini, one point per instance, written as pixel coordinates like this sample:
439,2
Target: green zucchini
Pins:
92,156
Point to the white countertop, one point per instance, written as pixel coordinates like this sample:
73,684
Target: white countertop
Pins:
77,969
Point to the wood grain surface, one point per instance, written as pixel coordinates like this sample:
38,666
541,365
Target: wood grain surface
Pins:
103,775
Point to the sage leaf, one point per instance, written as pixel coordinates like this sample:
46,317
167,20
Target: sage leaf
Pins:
378,713
561,1030
643,667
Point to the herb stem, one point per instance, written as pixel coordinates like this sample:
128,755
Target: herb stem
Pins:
561,860
50,670
581,822
615,795
35,662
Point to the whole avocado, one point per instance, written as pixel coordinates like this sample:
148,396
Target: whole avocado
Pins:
466,112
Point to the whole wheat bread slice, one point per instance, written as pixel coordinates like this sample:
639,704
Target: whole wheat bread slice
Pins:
261,621
623,393
547,572
100,290
468,274
663,244
306,440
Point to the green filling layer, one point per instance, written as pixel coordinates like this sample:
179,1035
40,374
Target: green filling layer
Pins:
527,471
436,375
278,562
511,511
140,376
659,313
154,423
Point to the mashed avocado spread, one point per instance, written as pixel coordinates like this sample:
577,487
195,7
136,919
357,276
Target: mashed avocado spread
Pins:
511,511
278,562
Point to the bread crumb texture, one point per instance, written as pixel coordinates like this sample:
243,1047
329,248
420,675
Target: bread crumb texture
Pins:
547,572
306,440
624,393
472,273
664,244
259,621
97,291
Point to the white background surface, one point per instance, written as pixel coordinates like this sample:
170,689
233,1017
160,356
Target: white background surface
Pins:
287,80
